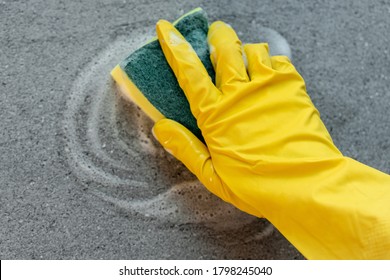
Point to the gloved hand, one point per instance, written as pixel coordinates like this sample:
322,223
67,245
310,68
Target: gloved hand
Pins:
268,152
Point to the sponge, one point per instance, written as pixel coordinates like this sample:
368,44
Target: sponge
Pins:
147,79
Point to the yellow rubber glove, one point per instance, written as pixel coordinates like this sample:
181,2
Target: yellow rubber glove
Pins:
268,152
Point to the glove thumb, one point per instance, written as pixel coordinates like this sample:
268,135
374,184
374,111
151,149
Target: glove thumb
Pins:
186,147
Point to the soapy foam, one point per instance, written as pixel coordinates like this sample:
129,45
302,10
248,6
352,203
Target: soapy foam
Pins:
90,114
187,203
110,147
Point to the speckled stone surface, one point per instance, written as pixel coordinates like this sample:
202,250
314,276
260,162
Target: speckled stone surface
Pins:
66,176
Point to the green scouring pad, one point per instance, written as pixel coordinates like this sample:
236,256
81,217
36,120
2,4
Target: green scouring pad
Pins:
147,79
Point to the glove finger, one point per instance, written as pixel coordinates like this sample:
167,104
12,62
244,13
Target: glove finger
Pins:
259,61
226,55
186,147
189,70
281,63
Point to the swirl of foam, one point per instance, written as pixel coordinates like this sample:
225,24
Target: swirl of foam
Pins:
109,148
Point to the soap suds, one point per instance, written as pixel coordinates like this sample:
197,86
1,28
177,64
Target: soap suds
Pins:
110,148
108,139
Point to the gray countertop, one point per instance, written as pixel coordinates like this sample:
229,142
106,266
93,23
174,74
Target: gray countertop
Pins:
82,178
